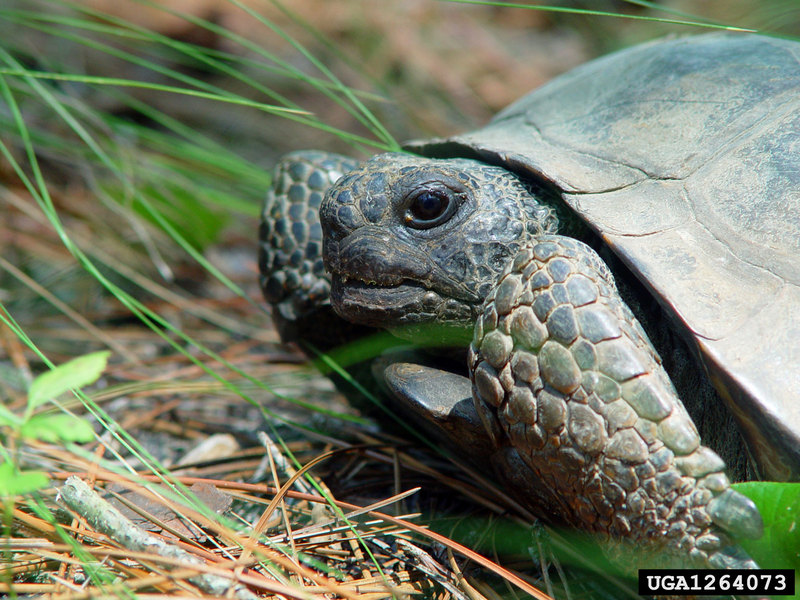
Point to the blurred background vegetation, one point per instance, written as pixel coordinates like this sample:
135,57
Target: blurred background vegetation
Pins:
175,111
137,140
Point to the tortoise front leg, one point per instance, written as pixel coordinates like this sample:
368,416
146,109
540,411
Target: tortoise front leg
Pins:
293,278
559,360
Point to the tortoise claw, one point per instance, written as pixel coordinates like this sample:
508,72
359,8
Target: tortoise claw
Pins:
442,401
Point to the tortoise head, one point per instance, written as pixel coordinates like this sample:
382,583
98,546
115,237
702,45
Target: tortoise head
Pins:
412,242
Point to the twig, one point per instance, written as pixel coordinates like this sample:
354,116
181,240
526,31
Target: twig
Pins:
108,520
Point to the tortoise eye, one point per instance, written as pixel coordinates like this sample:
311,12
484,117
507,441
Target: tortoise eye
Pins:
430,208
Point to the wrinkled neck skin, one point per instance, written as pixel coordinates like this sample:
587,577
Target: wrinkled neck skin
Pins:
415,244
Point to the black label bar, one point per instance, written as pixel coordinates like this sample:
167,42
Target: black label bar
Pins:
713,582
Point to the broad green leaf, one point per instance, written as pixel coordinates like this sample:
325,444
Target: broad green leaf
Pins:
14,483
779,503
74,374
57,427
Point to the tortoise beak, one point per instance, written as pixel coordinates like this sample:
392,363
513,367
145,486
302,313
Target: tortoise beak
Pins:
372,256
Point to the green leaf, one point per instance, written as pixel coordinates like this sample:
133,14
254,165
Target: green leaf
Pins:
14,483
779,503
71,375
57,427
9,418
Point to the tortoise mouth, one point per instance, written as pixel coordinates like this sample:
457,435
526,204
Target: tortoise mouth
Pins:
380,281
382,303
406,308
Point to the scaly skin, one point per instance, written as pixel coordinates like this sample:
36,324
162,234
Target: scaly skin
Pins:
563,365
563,375
290,234
293,278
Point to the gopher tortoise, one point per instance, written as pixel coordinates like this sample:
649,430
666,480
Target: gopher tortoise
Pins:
650,194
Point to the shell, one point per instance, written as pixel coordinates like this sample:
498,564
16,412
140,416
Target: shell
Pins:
684,156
